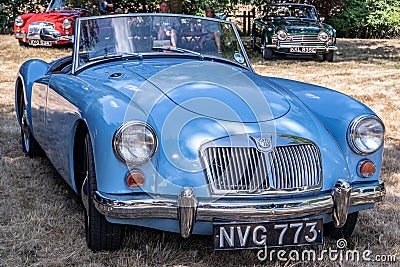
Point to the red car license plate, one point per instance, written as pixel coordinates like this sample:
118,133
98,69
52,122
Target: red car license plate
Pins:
305,50
36,42
257,235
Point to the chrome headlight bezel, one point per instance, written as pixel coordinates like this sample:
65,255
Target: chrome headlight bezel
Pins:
281,35
19,21
67,24
135,136
323,36
366,134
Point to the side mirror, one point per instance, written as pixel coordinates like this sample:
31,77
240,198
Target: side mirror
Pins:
321,19
49,35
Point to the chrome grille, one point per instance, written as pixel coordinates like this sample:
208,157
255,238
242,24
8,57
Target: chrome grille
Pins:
295,166
247,170
302,40
35,27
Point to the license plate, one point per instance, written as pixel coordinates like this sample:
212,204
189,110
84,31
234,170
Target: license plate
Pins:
305,50
257,235
36,42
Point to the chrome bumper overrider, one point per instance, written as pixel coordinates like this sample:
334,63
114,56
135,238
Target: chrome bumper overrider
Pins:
188,209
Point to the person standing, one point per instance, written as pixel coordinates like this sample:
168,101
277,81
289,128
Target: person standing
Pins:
166,25
212,30
106,6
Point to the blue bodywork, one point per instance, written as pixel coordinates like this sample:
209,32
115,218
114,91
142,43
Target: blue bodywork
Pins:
189,101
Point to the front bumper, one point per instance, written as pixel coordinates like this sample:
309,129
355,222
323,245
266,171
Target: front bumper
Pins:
26,37
319,49
187,209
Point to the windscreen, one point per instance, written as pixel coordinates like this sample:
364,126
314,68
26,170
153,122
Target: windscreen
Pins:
138,34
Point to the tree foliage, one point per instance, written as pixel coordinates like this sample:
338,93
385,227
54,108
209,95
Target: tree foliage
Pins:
368,19
10,9
351,18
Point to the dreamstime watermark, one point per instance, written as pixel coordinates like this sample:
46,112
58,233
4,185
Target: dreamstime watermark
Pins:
340,253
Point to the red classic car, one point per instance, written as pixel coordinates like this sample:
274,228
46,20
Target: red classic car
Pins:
55,26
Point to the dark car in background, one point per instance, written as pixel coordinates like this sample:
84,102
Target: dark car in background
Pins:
293,29
57,22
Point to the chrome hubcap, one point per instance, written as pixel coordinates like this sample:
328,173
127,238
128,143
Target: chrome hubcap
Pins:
25,130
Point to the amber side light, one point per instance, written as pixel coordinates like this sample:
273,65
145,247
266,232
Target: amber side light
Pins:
366,168
134,178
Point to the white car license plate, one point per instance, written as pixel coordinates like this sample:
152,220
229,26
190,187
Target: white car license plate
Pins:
36,42
257,235
305,50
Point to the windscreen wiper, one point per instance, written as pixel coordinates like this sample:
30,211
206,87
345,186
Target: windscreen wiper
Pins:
178,50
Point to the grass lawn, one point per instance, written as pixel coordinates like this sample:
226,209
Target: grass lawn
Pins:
41,219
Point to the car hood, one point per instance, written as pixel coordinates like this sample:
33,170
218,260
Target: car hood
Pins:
193,103
216,90
300,27
55,16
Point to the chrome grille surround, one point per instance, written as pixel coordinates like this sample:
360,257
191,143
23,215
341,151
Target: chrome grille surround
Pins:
292,165
35,27
300,40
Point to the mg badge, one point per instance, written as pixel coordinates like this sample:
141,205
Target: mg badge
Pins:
263,143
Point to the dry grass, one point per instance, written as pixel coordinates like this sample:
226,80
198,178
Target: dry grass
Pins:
41,219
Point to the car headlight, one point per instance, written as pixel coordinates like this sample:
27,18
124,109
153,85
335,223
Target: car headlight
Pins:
366,134
67,24
282,35
135,142
19,21
323,36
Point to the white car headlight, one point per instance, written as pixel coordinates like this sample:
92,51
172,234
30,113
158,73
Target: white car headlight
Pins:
135,143
282,35
67,24
366,134
19,21
323,36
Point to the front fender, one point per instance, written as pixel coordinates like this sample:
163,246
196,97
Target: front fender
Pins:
336,111
29,72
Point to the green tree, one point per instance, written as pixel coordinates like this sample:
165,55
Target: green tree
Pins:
368,19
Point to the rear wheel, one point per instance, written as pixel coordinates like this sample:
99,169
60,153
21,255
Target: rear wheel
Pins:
252,43
343,232
29,144
100,234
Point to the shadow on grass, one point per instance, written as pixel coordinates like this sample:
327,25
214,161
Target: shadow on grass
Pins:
362,51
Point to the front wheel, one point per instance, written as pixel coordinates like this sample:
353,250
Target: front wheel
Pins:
29,144
100,234
345,231
328,57
266,52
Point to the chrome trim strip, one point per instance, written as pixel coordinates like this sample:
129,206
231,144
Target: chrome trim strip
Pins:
368,194
329,48
145,206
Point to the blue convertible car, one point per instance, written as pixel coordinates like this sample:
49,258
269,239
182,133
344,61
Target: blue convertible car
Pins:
186,137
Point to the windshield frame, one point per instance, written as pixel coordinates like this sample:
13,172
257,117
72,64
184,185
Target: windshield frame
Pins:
65,5
77,53
56,4
314,12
